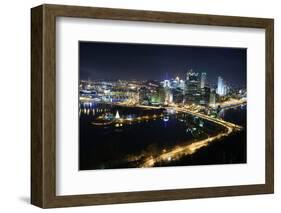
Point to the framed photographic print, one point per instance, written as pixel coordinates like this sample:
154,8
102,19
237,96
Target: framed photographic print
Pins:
136,106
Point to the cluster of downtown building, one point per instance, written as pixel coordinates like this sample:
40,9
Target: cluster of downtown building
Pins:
194,88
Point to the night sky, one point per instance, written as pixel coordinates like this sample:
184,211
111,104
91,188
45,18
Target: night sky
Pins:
112,61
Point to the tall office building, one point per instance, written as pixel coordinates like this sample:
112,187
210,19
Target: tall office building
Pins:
192,89
205,96
168,96
212,102
221,87
191,75
182,84
203,82
166,83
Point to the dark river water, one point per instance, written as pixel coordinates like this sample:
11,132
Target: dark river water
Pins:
119,144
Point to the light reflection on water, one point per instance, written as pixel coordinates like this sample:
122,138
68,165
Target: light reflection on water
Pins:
111,146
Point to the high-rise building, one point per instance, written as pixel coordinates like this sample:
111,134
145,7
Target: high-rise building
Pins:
221,87
161,92
166,83
174,83
203,82
212,102
191,75
192,89
177,95
182,84
168,96
158,97
205,95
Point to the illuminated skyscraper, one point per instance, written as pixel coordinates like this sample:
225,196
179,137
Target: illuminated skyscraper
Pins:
182,84
205,95
168,96
203,80
221,87
212,102
166,84
192,89
191,75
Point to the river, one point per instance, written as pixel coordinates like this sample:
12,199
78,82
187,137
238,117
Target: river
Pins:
123,144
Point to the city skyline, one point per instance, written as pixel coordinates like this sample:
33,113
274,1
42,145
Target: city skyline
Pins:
143,105
113,61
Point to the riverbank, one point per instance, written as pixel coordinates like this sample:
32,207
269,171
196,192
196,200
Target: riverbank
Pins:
148,142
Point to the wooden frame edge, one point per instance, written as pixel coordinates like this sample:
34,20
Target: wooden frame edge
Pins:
155,196
43,181
269,105
36,106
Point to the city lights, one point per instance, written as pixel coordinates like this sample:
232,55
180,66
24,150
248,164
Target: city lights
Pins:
143,105
197,99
